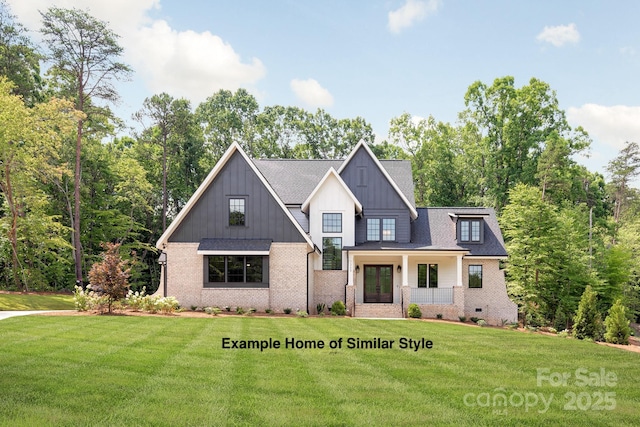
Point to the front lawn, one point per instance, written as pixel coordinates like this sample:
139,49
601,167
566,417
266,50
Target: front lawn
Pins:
127,370
13,301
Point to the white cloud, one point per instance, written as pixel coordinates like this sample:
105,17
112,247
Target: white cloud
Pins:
560,35
411,12
189,64
311,93
628,50
611,126
186,64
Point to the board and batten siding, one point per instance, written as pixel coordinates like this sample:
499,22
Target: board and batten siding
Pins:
209,217
378,197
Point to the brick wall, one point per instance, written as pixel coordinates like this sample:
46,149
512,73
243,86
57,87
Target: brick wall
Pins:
184,273
287,280
492,298
288,276
448,311
329,286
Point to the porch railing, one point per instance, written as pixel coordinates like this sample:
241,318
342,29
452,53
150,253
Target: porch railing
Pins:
432,295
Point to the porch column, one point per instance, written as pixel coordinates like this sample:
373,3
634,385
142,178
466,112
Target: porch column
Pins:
459,271
350,271
405,270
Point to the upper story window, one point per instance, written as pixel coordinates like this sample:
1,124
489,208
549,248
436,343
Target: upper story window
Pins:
236,211
389,229
332,223
373,229
381,229
471,230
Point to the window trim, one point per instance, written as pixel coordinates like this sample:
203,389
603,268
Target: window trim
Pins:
264,283
231,199
465,230
326,227
380,229
477,273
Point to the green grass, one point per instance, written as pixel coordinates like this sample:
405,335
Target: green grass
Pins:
19,302
119,370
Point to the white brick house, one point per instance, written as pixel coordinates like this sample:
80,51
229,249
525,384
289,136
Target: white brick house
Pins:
294,233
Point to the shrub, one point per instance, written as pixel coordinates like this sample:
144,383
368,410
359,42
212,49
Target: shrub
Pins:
212,310
475,319
110,277
481,322
320,308
268,311
588,322
80,299
301,313
414,311
227,308
439,316
252,310
338,308
240,310
167,305
462,318
135,300
617,324
287,311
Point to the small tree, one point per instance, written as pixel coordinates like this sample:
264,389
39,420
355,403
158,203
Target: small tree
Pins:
110,276
588,322
617,324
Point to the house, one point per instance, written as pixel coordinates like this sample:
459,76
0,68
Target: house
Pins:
295,233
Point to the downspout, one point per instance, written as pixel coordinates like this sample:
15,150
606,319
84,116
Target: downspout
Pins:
309,253
346,284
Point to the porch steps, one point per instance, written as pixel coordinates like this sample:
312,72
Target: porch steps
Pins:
379,311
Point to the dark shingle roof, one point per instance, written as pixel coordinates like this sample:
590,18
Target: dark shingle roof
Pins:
294,180
435,230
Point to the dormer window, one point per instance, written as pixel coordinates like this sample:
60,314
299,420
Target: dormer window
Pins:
470,230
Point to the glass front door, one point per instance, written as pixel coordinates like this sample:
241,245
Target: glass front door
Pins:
378,283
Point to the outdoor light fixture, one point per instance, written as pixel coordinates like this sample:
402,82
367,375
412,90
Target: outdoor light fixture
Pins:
162,260
357,269
399,269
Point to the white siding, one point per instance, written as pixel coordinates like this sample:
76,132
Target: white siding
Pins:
332,197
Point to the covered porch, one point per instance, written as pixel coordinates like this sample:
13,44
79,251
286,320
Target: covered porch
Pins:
382,283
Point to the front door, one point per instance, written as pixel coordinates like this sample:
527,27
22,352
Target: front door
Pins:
378,283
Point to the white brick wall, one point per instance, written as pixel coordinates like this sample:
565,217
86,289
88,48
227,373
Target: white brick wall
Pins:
288,276
287,280
492,298
329,286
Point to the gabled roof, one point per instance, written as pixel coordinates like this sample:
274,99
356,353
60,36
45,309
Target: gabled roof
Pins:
332,172
293,179
233,148
363,145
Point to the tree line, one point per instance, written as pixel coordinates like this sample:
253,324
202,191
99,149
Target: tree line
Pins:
68,183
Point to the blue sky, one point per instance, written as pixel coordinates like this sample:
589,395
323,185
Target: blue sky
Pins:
380,58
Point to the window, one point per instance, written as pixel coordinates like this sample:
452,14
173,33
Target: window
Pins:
236,212
471,230
332,223
475,276
332,253
427,275
373,229
376,233
216,269
235,269
389,229
475,231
